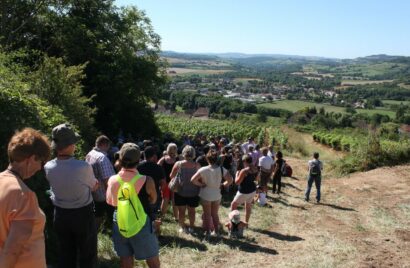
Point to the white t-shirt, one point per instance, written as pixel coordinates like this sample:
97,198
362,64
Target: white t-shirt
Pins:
212,177
262,199
266,162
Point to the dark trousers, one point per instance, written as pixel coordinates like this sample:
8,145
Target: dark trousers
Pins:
277,180
317,180
77,234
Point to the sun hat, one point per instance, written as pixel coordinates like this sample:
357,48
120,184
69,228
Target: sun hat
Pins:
235,216
62,136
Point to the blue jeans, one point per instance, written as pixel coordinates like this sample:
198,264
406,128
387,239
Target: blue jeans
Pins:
317,180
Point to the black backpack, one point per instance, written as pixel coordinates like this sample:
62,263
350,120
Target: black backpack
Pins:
315,169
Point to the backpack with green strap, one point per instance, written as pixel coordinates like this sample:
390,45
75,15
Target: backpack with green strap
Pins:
131,216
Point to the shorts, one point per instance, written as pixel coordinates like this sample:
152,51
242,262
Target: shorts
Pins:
192,202
264,179
241,198
167,193
143,245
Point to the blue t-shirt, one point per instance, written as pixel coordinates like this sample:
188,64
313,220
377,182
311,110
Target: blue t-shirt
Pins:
71,181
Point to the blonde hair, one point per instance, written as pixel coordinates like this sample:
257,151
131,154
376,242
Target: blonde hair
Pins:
188,152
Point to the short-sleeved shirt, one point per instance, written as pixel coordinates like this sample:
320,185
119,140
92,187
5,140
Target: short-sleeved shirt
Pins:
212,177
71,182
310,163
103,170
266,162
155,171
19,203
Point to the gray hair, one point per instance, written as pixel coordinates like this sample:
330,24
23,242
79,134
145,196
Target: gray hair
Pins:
172,147
188,152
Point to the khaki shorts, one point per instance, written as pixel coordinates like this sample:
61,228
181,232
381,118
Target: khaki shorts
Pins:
241,198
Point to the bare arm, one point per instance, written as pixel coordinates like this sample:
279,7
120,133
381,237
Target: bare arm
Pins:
197,180
175,169
241,176
20,231
228,179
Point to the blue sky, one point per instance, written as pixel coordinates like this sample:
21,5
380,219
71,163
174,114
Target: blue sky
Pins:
333,28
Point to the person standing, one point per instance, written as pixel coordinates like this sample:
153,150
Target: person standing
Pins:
245,180
209,178
186,198
277,172
103,170
167,162
143,245
21,219
72,182
149,167
315,167
266,165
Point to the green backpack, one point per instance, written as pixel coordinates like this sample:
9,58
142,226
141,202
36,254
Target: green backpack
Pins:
131,216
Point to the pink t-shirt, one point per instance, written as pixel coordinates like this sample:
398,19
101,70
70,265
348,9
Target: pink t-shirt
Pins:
18,205
113,185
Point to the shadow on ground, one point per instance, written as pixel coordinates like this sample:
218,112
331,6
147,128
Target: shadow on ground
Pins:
243,245
337,207
175,241
278,236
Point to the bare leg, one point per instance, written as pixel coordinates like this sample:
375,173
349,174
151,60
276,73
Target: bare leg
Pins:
181,219
175,210
248,210
234,205
206,206
191,215
127,262
215,216
153,262
164,206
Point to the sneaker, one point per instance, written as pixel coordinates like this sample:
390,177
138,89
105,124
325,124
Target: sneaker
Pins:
318,201
214,234
190,230
182,230
306,199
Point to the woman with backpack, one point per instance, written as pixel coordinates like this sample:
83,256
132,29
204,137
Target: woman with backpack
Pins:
209,178
133,194
245,180
277,172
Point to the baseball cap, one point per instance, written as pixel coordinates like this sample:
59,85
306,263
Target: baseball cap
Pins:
63,135
129,153
235,216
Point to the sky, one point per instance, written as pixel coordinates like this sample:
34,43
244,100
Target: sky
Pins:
326,28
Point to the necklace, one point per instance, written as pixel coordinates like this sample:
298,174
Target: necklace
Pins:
15,173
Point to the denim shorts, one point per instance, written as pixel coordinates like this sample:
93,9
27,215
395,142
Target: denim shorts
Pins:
143,245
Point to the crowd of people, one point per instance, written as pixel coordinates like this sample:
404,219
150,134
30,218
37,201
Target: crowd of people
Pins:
130,187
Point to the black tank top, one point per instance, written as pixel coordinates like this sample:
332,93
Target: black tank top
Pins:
248,186
143,196
167,169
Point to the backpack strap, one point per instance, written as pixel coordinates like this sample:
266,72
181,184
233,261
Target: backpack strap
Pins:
134,180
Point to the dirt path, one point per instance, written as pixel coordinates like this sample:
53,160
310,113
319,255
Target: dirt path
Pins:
362,221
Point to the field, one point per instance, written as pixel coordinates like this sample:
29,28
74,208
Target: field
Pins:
186,71
394,102
363,82
295,105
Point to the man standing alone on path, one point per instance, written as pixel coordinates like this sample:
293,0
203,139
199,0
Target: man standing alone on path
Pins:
315,167
103,170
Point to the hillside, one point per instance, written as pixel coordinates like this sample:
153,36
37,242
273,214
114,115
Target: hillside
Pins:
363,221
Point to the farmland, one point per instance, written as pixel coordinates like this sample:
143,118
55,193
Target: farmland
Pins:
296,105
